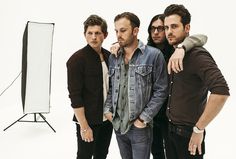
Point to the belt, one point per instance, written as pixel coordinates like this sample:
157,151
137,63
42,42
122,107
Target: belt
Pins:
182,130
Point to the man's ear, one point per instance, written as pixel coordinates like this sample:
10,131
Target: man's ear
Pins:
105,35
135,31
187,28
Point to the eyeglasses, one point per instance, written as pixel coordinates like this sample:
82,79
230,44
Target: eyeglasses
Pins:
159,29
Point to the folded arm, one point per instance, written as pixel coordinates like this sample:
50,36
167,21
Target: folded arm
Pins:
176,60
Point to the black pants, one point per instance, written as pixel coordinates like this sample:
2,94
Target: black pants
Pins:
160,129
177,143
98,149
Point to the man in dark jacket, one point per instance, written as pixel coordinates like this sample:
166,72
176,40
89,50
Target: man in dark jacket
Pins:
88,85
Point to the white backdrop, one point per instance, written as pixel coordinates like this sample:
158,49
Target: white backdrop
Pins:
213,18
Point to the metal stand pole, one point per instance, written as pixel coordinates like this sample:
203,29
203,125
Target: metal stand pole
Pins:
46,122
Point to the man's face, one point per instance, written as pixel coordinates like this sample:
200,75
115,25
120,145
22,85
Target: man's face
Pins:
124,32
94,36
157,32
174,29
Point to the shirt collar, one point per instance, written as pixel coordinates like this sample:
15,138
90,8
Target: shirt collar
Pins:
140,47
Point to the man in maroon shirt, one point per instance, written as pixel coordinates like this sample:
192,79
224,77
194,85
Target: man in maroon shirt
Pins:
189,110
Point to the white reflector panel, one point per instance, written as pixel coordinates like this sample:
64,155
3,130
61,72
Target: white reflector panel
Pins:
36,67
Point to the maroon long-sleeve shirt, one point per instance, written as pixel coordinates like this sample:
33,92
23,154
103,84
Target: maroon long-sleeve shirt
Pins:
189,88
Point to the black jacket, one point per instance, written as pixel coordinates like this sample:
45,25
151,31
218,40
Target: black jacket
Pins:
85,82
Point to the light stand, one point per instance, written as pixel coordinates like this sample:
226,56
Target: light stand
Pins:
36,71
35,121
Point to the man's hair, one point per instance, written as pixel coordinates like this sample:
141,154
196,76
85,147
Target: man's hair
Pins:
134,20
167,49
179,10
93,20
156,17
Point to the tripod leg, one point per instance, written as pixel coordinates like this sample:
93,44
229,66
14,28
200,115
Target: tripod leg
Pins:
15,122
46,122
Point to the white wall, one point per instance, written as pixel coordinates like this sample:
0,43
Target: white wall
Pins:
213,18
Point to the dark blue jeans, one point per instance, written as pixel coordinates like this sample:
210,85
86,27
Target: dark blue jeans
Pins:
99,147
177,143
136,143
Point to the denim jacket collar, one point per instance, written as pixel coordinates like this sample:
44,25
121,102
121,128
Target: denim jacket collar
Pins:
141,47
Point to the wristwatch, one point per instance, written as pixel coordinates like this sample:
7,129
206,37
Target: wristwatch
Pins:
197,130
181,46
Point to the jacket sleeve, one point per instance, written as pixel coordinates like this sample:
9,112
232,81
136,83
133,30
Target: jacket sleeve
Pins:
75,80
194,40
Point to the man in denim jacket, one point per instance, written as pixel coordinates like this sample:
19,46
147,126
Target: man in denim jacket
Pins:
138,89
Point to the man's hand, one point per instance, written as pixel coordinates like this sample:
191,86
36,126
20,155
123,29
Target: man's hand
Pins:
195,143
114,49
109,116
86,134
176,61
139,124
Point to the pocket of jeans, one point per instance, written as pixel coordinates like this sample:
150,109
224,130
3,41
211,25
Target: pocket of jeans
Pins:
183,132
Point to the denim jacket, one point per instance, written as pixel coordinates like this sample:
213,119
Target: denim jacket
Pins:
147,83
